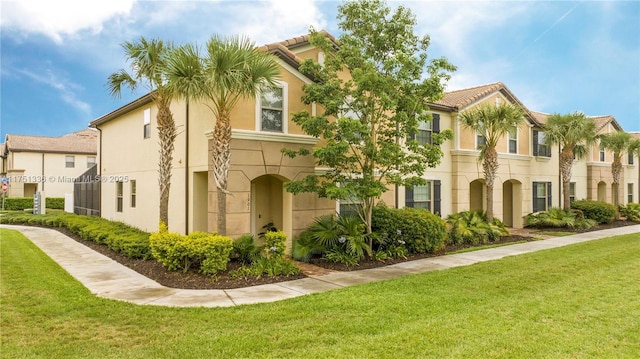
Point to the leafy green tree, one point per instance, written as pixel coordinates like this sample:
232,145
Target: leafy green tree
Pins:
493,122
574,133
230,69
618,143
372,89
147,61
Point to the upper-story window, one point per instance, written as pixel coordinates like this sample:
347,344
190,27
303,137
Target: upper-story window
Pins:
513,141
273,109
426,129
70,161
91,161
630,160
146,127
540,148
602,156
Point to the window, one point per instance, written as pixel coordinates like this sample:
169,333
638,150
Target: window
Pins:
272,109
350,206
629,192
119,189
70,161
427,196
540,148
481,141
513,141
147,123
91,161
133,194
426,129
602,157
630,161
572,192
541,196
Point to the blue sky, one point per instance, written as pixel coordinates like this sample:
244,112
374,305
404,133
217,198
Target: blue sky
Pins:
556,57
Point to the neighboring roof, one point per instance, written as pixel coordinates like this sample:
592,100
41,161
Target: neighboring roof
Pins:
459,99
81,142
600,121
2,147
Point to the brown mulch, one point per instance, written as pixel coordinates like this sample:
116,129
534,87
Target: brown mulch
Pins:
223,280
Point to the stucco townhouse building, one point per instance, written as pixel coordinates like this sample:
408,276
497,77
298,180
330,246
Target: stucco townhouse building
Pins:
528,178
47,164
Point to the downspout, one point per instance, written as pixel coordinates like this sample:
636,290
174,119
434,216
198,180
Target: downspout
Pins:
42,180
100,171
186,172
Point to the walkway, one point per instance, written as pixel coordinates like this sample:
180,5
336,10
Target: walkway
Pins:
107,278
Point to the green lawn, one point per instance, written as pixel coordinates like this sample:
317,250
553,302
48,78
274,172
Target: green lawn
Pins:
579,301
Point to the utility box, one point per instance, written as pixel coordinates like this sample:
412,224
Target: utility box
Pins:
39,203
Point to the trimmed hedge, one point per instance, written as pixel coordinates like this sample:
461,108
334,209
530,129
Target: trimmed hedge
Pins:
129,241
22,203
208,252
600,212
421,230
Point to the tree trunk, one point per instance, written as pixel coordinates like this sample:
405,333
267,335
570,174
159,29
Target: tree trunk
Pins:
221,160
566,163
616,169
167,134
490,167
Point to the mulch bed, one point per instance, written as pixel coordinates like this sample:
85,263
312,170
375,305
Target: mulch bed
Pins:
223,280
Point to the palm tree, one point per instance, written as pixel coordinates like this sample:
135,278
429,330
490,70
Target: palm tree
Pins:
618,143
147,61
493,122
231,69
574,133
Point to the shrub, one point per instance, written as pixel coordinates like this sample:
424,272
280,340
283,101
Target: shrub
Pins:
271,261
129,241
600,212
631,211
208,252
559,218
305,247
22,203
274,244
245,249
421,230
471,227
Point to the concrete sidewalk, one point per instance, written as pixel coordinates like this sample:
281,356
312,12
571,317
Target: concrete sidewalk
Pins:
107,278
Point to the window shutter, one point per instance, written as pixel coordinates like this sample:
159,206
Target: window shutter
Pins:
408,197
534,190
435,125
549,202
437,197
535,144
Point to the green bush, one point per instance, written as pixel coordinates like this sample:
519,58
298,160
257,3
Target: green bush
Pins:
18,203
245,249
471,228
271,261
420,230
129,241
22,203
600,212
631,211
274,244
207,252
559,218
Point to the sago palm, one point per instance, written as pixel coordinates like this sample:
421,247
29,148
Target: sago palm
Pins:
230,69
493,122
147,61
618,143
574,133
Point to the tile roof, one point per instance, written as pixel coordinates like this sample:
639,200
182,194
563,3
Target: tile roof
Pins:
2,147
84,141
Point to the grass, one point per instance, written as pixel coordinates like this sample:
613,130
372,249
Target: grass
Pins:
578,301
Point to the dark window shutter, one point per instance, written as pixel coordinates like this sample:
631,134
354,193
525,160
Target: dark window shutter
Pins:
435,125
534,191
535,143
408,197
437,199
549,202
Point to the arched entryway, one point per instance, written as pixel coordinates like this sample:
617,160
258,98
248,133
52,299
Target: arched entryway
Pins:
270,205
476,195
512,203
602,191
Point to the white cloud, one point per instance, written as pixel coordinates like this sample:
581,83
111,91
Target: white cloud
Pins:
60,18
66,89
